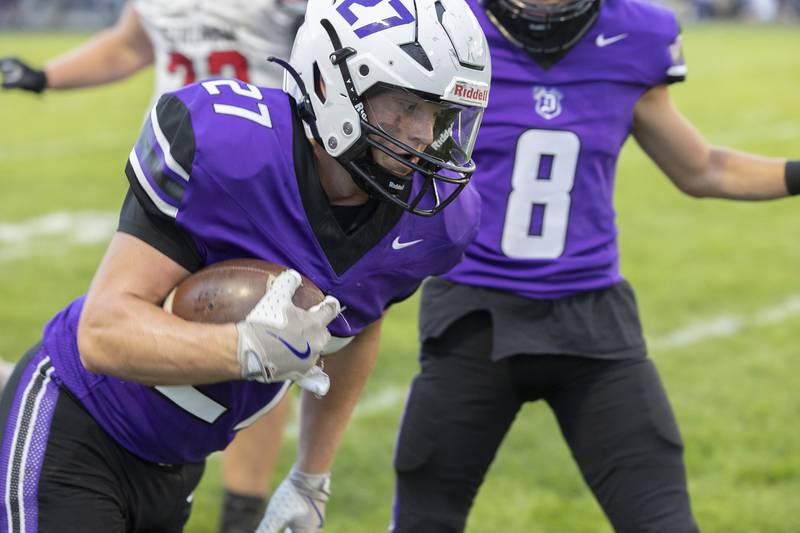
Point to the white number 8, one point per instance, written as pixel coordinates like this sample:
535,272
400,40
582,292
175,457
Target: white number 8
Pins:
533,186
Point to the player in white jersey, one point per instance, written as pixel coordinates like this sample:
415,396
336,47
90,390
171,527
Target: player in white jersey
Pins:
186,41
197,39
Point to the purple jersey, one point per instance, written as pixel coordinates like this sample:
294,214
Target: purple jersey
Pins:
229,165
548,149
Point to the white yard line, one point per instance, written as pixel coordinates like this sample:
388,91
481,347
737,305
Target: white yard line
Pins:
715,327
384,401
726,325
55,232
92,227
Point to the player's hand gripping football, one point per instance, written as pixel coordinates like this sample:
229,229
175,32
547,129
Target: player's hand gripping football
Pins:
298,504
18,75
279,341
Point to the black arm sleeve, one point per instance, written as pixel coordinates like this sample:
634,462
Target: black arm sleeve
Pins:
160,232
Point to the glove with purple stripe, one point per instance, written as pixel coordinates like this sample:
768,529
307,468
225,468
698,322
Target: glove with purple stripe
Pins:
279,341
298,504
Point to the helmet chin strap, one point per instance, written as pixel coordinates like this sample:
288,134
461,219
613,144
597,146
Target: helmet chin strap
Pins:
385,180
306,113
304,108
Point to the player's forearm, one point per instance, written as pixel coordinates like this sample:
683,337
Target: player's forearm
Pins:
693,165
137,341
324,420
743,176
106,58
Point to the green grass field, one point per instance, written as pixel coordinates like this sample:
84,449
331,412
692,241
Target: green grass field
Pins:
718,284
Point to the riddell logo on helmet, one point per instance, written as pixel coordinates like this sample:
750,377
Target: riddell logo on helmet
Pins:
361,111
469,93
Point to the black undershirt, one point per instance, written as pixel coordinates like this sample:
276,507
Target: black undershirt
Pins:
162,234
350,217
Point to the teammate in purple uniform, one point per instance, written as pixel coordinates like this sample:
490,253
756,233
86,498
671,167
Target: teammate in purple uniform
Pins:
538,308
108,421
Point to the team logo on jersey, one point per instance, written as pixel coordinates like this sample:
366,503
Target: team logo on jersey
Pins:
548,102
678,68
676,51
375,15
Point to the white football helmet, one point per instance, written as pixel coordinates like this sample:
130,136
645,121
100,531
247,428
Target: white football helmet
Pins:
368,71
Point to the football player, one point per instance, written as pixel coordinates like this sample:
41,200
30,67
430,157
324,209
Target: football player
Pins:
187,41
107,422
538,309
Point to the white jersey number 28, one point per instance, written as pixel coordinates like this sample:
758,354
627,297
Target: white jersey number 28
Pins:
216,63
538,206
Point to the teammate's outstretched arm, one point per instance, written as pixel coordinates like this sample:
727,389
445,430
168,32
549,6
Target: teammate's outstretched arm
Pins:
696,167
111,55
299,502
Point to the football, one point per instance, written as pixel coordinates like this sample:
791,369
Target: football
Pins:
227,291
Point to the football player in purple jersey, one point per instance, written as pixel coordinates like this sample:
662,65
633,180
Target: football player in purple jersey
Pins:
538,309
187,41
107,422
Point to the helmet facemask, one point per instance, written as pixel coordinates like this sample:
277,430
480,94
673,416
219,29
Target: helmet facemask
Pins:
547,30
407,137
396,93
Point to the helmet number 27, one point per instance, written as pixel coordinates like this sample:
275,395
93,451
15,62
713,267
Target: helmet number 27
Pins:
538,206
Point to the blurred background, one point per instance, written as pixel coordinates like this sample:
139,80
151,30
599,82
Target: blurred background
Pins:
95,14
718,282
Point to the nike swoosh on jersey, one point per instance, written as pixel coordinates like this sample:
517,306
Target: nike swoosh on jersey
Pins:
298,353
397,245
602,41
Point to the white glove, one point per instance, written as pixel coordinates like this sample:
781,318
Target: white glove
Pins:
279,341
298,505
315,381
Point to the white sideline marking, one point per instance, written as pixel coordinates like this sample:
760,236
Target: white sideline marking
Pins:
715,327
55,231
387,399
727,325
92,227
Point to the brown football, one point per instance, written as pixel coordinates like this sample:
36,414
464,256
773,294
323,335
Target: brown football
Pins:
227,291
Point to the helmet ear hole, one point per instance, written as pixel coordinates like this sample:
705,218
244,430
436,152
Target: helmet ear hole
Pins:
319,83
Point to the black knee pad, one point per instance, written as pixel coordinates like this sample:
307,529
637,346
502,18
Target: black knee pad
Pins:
418,429
421,504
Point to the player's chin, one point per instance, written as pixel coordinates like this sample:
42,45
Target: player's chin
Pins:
405,172
395,167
